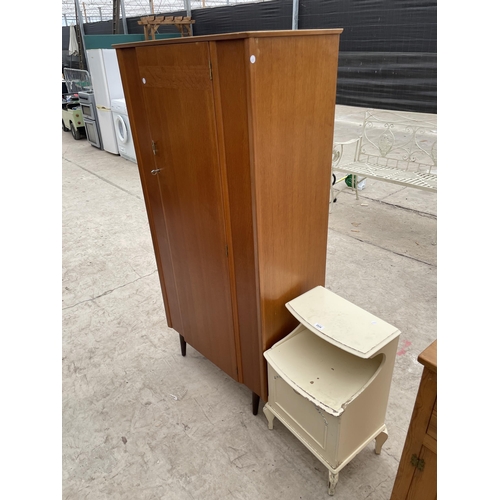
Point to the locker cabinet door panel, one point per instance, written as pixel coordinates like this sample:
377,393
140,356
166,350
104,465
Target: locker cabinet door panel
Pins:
178,96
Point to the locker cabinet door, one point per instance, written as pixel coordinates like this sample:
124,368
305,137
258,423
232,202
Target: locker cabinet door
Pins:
178,97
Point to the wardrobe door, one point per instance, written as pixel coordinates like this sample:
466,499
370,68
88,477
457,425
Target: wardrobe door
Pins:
179,102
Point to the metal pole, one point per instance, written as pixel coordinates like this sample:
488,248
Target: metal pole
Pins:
124,17
85,12
116,17
187,5
295,15
82,32
65,19
151,7
100,12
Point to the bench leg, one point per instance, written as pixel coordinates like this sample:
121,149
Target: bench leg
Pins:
355,181
333,196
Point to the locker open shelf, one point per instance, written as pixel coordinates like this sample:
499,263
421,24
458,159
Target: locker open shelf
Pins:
321,372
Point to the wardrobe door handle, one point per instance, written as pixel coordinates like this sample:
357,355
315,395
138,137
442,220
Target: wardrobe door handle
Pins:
155,171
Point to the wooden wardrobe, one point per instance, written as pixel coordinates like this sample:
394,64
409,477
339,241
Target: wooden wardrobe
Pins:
233,136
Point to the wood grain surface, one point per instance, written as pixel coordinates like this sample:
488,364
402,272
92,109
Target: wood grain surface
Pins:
292,82
242,126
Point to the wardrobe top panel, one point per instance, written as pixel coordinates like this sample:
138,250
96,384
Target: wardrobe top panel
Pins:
231,36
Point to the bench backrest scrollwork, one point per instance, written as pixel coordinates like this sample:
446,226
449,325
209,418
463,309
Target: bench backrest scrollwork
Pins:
397,140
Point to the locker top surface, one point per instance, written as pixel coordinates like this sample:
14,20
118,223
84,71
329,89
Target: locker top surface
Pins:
341,322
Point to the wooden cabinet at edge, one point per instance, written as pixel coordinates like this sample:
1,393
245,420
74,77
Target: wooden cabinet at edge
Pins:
416,478
233,136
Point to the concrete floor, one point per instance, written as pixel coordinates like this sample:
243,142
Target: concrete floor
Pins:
142,422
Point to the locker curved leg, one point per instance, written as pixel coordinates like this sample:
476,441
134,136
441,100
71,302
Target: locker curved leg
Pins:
270,417
380,440
333,479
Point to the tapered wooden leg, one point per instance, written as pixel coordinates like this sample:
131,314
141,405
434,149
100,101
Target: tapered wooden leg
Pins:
183,345
255,403
269,415
333,479
380,440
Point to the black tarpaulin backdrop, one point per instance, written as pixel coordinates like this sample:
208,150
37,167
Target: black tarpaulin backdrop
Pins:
388,50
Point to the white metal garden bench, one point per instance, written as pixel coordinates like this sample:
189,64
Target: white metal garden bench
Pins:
393,147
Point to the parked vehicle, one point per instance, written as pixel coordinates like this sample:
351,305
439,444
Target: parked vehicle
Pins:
76,80
72,117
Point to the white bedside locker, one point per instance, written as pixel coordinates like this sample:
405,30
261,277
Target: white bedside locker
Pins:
329,379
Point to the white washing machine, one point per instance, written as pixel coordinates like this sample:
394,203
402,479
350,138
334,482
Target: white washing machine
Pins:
122,129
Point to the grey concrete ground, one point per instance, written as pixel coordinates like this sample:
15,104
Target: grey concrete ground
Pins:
141,422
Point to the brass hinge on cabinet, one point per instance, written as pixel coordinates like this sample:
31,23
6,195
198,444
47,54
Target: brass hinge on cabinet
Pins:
419,463
210,69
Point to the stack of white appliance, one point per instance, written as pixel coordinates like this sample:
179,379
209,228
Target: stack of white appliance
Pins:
107,85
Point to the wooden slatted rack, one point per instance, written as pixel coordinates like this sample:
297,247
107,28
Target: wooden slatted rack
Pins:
151,24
